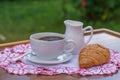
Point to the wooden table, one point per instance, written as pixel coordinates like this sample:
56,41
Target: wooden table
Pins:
108,38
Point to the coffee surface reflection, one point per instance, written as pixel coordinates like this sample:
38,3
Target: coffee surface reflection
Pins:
50,38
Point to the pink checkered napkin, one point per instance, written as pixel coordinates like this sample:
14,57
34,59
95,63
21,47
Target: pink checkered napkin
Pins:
71,67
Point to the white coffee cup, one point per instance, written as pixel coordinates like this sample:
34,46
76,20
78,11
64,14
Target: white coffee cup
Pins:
46,49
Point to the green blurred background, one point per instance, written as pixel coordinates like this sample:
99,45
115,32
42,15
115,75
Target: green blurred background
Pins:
21,18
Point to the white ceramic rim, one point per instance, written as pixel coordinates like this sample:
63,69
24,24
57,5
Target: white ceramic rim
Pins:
55,61
73,23
33,36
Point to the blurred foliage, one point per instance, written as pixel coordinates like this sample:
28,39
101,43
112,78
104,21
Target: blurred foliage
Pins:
21,18
25,18
73,10
101,10
14,0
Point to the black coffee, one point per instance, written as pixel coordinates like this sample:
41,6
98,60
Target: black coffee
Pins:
51,38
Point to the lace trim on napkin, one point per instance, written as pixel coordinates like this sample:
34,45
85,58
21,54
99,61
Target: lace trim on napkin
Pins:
71,67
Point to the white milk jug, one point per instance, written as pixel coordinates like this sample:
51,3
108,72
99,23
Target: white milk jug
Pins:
75,31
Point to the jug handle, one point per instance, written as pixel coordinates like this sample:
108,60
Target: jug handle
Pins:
91,33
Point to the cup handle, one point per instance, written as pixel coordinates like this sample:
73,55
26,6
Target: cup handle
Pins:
91,33
69,47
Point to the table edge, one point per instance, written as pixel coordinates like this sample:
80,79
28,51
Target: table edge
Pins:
96,31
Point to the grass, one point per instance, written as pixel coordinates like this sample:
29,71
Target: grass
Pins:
18,20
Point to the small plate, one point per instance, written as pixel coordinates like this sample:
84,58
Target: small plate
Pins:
62,58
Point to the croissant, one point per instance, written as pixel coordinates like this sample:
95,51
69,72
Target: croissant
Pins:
93,55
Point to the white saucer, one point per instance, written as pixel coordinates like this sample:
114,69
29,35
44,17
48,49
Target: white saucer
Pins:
60,59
